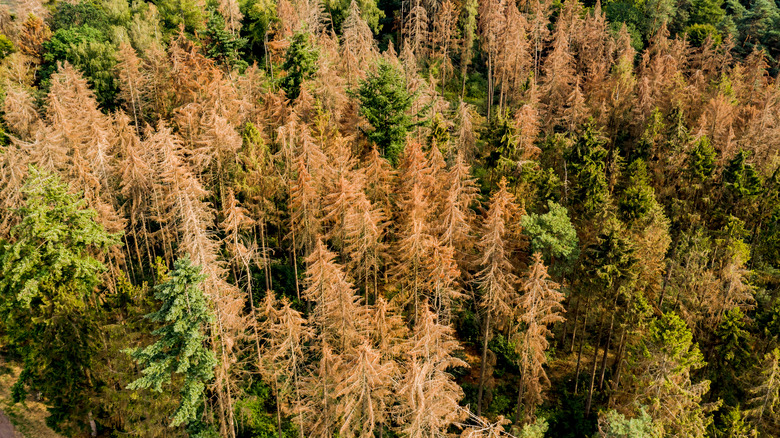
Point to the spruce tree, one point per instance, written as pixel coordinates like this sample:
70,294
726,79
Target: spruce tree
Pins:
49,279
181,348
385,103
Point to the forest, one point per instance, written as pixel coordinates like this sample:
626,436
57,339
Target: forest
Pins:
392,218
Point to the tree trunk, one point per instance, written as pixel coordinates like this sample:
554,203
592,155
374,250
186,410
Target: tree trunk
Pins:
606,350
520,391
573,328
483,365
490,87
278,410
593,367
579,352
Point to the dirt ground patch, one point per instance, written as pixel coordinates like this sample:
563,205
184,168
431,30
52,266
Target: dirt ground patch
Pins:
7,429
20,420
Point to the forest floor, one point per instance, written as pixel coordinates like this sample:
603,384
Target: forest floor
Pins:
20,420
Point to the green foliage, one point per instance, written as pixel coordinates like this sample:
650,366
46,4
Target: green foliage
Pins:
500,137
87,12
369,11
706,13
733,338
439,134
176,13
48,279
537,429
701,161
385,104
611,261
613,424
638,198
180,348
6,46
759,27
669,339
89,51
259,15
300,64
741,178
222,45
698,33
587,158
551,233
735,426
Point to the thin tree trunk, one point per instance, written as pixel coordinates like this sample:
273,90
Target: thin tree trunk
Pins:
483,365
490,86
520,391
582,341
129,261
593,366
278,410
295,265
573,328
606,350
266,268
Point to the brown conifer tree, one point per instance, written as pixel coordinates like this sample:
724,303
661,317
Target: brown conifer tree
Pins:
132,82
427,395
338,316
538,308
496,278
284,332
364,392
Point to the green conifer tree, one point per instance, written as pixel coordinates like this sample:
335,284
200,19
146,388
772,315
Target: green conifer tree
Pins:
48,279
180,348
385,103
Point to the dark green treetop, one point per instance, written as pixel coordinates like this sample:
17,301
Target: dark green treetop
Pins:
300,64
385,103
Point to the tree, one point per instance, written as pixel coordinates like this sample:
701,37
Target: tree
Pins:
284,332
427,394
49,275
181,348
765,395
88,50
661,378
740,178
538,308
300,64
364,392
613,424
224,46
496,278
338,317
385,103
551,233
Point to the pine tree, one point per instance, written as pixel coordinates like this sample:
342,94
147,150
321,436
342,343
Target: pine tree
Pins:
305,222
180,349
364,392
765,396
427,395
456,216
538,308
133,82
496,279
661,376
364,230
284,333
338,316
385,102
